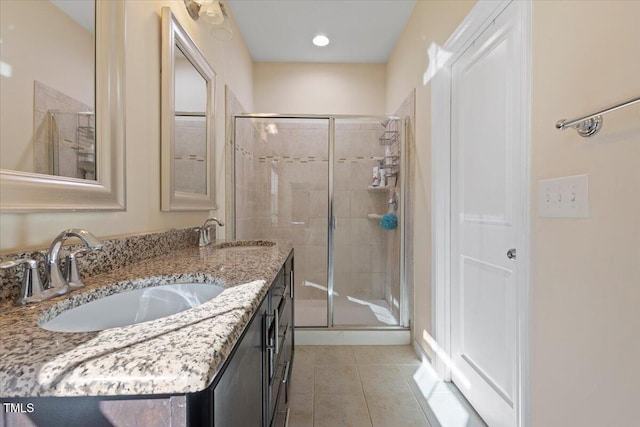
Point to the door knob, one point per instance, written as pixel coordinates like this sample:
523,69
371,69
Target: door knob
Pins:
511,254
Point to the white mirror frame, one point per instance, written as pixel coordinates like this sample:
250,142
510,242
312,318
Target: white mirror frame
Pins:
173,36
33,192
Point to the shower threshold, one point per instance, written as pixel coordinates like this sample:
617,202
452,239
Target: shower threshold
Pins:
324,336
368,322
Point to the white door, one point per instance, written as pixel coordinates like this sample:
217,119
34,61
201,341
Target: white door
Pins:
486,212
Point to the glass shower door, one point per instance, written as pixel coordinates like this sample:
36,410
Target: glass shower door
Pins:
281,190
288,173
366,256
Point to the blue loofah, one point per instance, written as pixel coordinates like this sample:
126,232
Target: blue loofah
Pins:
389,221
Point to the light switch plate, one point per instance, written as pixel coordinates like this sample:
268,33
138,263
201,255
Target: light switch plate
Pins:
566,197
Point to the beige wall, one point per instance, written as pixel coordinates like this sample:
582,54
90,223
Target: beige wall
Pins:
233,65
431,22
585,287
63,62
585,282
319,88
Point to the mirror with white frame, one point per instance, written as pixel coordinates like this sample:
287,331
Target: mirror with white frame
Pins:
188,94
62,115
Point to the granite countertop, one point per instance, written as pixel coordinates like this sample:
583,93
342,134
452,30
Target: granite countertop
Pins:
176,354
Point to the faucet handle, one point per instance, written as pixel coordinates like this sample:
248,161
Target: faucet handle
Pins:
204,235
205,230
71,271
32,290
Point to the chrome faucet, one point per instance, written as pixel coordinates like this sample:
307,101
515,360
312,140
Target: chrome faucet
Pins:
205,231
32,289
55,278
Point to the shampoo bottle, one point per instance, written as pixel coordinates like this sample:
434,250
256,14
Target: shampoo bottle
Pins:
375,179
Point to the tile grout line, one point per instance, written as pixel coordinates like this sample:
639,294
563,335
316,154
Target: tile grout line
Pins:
364,395
413,393
397,361
415,398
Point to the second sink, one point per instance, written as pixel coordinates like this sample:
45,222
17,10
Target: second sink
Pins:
132,307
245,244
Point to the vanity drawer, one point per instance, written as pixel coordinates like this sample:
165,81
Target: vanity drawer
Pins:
284,310
281,416
280,370
275,359
280,390
280,329
278,290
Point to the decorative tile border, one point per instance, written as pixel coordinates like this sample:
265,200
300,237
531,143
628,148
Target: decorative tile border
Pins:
244,152
313,159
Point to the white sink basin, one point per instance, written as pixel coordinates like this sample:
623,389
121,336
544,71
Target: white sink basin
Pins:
131,307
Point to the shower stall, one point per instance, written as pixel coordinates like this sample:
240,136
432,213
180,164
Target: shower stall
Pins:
72,144
334,186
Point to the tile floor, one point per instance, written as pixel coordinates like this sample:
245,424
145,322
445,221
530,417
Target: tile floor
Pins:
341,386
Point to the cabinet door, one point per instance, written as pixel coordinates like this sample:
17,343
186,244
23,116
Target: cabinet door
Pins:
238,396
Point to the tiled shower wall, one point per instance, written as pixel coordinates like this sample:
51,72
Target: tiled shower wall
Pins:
361,264
190,157
282,192
292,170
246,183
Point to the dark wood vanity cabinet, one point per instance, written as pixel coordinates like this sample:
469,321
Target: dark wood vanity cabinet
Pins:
236,398
253,386
280,356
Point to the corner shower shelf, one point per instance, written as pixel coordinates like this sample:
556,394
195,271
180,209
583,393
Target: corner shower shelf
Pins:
388,137
378,189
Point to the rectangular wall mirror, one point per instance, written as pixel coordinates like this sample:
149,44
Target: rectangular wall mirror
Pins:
62,105
188,137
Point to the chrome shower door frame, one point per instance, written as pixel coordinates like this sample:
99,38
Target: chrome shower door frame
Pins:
332,223
404,321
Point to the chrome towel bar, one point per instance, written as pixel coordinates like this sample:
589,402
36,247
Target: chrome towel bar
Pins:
589,125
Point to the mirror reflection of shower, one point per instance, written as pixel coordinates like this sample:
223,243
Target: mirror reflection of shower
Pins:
72,144
64,134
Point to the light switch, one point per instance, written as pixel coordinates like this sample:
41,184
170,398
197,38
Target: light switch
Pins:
566,197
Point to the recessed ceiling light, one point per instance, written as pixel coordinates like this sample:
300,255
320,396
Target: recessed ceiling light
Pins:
321,40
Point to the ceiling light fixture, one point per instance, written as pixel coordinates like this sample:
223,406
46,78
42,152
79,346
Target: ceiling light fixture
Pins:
321,40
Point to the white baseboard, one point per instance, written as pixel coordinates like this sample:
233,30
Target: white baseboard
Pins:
421,353
352,337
